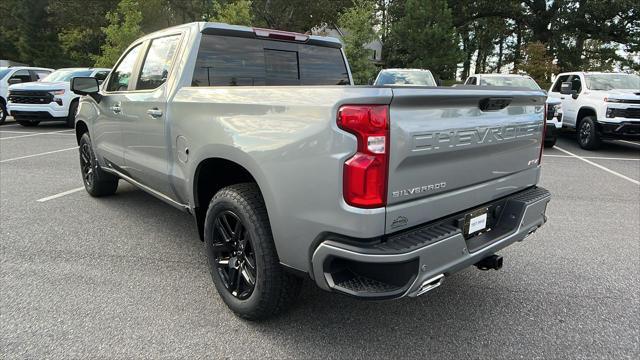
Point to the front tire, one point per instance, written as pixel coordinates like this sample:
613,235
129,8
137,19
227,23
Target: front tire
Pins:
550,142
3,112
588,136
242,256
96,181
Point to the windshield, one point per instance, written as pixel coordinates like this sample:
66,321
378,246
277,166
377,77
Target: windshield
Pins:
66,75
420,78
612,81
3,72
513,81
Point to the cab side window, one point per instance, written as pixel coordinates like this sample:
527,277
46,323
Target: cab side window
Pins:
121,76
576,84
558,84
101,75
157,63
22,76
472,81
40,74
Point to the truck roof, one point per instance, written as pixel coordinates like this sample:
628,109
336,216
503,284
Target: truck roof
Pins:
247,31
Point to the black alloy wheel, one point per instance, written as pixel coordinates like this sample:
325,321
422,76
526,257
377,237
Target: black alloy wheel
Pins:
86,164
234,255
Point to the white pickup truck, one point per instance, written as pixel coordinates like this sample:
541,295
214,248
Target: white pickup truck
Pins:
49,99
16,75
599,105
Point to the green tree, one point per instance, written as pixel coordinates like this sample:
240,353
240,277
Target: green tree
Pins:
539,64
424,37
357,24
237,12
123,29
297,15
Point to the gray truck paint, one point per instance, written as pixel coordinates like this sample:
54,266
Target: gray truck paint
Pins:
286,137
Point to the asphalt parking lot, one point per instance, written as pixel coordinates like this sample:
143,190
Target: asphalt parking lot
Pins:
126,276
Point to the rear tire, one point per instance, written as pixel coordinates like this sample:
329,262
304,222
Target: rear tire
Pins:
587,135
3,112
243,261
71,118
96,181
28,123
548,143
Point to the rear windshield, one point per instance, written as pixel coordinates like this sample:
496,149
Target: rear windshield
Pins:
513,81
66,75
236,61
396,77
3,72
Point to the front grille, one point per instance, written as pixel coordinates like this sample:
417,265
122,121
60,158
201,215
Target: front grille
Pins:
630,113
30,97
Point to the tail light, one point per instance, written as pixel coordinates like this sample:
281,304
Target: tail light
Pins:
365,173
544,132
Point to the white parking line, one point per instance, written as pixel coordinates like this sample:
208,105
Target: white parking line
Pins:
599,166
64,193
61,132
592,157
40,154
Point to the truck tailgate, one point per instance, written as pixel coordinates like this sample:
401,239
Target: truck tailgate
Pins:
455,149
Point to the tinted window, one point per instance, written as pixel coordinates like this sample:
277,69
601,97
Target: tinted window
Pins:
101,75
558,84
22,75
157,63
576,84
119,81
281,67
234,61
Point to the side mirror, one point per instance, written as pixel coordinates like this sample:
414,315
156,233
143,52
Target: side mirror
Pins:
574,94
565,88
14,81
86,86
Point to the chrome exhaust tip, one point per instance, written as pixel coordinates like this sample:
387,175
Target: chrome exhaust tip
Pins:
430,284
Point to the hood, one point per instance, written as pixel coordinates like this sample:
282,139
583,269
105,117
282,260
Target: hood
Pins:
41,86
625,94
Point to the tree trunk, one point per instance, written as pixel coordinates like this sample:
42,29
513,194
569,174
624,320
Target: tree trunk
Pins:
500,53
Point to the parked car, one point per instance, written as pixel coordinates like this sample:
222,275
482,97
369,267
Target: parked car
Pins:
17,75
289,172
599,105
405,77
554,106
50,99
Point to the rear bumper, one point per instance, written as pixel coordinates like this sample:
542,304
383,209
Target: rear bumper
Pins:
400,264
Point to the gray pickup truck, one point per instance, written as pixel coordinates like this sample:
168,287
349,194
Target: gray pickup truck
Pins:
290,171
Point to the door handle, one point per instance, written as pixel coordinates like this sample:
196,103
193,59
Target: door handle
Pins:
562,98
154,113
116,108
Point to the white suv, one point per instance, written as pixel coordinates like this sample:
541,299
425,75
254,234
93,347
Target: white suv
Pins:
16,75
49,99
599,105
554,106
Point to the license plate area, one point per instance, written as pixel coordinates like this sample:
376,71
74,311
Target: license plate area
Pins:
476,222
